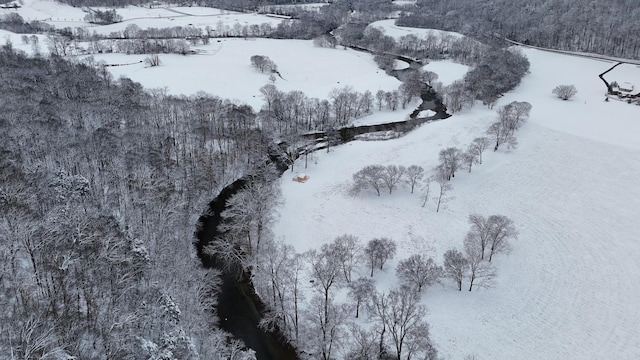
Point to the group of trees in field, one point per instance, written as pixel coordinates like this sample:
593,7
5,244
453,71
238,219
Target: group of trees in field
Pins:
510,118
452,159
487,237
318,324
105,17
300,289
388,177
263,63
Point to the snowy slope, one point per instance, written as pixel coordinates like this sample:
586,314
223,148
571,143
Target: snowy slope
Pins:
567,290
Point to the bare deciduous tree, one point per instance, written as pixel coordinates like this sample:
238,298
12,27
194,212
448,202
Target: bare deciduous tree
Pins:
392,176
327,326
565,92
450,160
347,250
480,272
371,175
480,231
363,343
413,175
501,229
326,272
378,251
501,135
455,266
479,145
360,290
418,271
403,317
441,176
457,97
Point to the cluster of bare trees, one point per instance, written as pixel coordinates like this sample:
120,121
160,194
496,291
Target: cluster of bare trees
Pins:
495,73
292,113
487,236
319,325
103,17
510,118
263,63
390,177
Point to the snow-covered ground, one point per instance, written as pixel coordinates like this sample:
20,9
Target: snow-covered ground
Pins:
60,15
391,29
567,289
225,70
447,70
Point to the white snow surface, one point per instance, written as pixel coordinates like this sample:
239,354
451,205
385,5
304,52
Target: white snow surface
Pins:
447,70
391,29
61,15
224,69
567,290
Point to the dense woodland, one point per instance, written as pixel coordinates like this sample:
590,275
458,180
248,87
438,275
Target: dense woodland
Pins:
599,26
102,184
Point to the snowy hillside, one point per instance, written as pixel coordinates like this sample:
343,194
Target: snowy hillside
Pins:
566,290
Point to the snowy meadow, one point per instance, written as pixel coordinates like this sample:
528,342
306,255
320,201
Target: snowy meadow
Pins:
565,291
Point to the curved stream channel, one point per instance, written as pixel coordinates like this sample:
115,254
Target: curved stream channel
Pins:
239,308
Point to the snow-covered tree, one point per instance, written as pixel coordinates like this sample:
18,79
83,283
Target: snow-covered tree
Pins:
360,291
455,266
418,271
413,175
480,272
565,92
378,251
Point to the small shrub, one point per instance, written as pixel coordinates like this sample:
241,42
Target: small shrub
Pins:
565,92
152,60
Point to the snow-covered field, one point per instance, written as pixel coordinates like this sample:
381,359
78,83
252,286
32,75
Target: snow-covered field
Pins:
225,70
390,28
60,15
567,290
